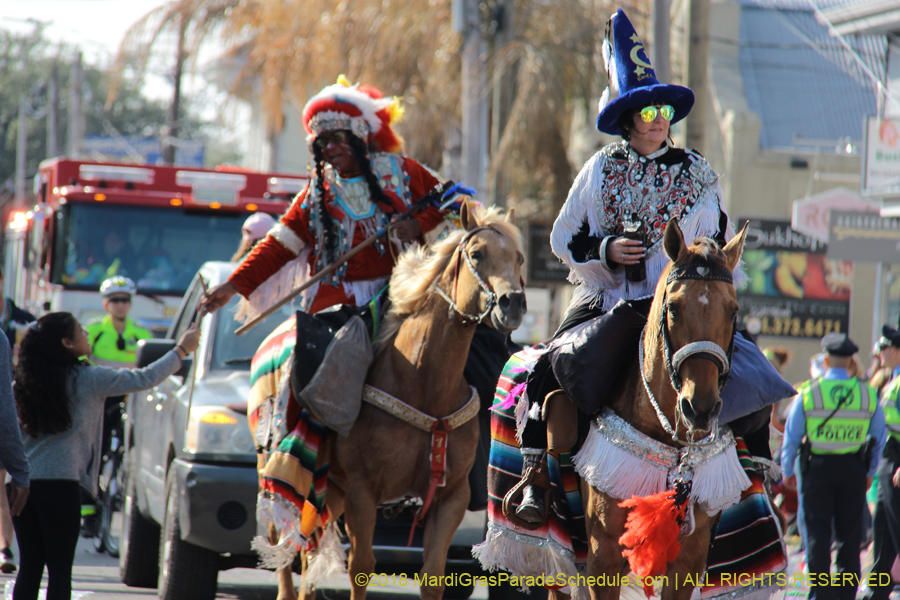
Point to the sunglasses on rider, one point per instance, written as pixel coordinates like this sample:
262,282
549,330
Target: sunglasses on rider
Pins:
120,300
648,113
120,343
337,137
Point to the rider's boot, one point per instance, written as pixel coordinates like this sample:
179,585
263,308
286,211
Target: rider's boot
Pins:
533,507
561,416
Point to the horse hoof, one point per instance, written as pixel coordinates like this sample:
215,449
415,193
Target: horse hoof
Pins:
533,508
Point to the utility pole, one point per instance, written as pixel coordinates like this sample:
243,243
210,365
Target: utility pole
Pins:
174,109
697,76
501,95
52,107
76,130
21,149
474,105
660,49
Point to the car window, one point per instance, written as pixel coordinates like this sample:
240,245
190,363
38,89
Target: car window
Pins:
233,352
189,309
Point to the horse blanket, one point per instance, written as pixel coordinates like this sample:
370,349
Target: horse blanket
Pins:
748,538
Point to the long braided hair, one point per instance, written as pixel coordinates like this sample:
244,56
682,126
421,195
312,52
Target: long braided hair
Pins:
361,154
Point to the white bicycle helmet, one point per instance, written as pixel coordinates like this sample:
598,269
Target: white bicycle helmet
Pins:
118,285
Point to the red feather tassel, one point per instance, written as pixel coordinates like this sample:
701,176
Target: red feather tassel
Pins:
651,533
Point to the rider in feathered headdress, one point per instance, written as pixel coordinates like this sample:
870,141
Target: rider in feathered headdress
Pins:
360,181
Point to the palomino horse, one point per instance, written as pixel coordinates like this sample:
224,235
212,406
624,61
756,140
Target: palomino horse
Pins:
418,404
676,380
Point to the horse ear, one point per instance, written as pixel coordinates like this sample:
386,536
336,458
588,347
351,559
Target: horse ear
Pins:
511,216
734,248
673,240
464,216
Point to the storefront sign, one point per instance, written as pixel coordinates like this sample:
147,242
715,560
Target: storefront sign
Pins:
794,289
864,237
881,164
810,215
543,266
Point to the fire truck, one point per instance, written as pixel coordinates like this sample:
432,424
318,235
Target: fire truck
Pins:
153,224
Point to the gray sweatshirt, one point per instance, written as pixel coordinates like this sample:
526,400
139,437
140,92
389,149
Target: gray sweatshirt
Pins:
75,453
12,454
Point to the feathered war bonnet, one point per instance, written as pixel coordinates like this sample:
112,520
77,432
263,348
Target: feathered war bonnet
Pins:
360,109
632,80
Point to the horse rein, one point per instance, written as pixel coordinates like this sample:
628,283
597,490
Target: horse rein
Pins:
469,318
702,271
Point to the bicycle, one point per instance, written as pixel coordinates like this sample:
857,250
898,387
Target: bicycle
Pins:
111,478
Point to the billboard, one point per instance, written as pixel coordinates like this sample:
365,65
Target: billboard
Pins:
795,290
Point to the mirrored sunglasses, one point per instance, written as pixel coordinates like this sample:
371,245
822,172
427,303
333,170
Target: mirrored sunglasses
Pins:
648,113
120,300
337,137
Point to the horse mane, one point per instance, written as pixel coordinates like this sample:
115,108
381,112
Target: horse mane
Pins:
420,266
702,249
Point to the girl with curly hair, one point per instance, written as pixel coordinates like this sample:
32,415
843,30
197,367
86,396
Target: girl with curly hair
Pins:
59,399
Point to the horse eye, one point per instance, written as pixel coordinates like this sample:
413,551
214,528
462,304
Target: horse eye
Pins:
673,311
475,255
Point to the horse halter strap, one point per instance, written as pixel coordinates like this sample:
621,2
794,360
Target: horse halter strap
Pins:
485,288
702,271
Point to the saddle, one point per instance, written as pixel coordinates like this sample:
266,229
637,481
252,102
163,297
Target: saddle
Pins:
331,359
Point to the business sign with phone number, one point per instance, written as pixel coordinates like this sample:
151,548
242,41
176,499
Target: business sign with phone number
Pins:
794,290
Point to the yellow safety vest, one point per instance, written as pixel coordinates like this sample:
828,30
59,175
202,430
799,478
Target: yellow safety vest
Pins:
889,397
838,413
104,339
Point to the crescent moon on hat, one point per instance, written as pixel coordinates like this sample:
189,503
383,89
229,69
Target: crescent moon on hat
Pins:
636,60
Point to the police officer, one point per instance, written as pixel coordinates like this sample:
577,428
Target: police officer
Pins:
113,340
886,524
837,418
114,337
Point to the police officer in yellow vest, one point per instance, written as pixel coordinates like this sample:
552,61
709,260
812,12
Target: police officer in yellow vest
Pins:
113,340
886,523
114,337
839,421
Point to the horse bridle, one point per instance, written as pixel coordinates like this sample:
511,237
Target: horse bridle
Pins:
485,288
702,270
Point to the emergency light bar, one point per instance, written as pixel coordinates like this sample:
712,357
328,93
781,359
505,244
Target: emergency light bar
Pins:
213,189
111,173
285,185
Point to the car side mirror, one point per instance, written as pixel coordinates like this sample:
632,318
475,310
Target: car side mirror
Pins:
150,351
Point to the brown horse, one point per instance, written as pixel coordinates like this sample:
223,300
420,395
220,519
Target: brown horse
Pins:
437,296
682,365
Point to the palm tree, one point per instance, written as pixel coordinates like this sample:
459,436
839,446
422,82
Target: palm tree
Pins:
291,48
191,22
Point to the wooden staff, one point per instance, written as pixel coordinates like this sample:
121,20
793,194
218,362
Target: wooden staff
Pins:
427,199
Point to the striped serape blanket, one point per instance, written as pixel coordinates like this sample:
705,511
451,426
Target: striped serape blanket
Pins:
557,547
748,549
293,468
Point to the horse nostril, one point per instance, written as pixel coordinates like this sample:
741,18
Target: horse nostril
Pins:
687,411
513,302
716,410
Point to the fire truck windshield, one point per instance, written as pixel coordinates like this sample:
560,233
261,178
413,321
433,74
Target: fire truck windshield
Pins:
159,248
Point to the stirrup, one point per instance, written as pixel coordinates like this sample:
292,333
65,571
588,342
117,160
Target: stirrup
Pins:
518,491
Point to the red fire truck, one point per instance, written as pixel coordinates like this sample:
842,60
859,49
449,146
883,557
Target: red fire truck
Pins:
153,224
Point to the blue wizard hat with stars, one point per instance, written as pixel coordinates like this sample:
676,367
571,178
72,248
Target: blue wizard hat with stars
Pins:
632,80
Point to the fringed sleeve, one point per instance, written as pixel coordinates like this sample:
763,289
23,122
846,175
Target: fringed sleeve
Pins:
580,209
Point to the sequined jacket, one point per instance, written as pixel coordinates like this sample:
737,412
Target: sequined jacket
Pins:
616,183
299,235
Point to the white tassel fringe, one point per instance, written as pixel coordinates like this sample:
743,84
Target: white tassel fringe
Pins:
717,483
330,559
281,554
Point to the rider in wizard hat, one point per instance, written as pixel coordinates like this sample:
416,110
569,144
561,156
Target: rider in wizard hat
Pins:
631,187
